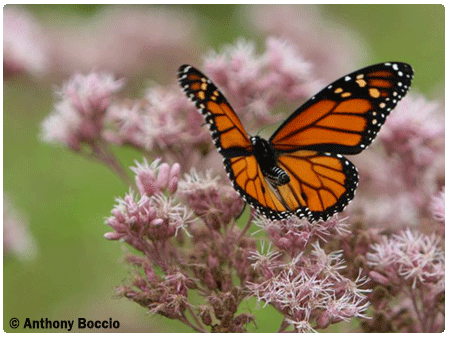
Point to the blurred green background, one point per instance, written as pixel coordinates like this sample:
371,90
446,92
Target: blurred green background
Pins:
65,198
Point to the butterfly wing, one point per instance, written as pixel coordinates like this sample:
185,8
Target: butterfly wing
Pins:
321,184
232,142
249,181
226,129
345,117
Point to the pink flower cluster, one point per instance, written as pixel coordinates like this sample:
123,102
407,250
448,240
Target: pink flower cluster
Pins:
307,287
411,266
80,111
152,216
215,203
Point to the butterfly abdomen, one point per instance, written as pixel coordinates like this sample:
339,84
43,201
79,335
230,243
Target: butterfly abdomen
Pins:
277,176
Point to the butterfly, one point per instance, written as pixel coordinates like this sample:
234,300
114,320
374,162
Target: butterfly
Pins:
300,170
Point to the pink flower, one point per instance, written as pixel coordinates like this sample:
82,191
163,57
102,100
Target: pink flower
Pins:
165,123
156,217
79,113
409,257
294,235
410,270
215,203
310,288
154,178
413,131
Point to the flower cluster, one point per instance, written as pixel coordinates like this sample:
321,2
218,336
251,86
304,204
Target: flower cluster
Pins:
152,215
410,268
302,281
216,204
80,110
182,254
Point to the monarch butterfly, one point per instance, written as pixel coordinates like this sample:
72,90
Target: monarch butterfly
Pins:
300,170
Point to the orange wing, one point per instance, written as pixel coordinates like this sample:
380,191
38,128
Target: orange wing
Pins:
345,117
226,129
249,181
320,185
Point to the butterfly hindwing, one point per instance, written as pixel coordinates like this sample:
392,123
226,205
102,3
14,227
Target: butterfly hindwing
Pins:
249,181
321,184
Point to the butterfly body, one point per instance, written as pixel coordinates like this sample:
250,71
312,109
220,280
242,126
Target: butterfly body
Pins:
300,169
267,160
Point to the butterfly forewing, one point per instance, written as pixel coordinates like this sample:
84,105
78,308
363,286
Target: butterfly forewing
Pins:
345,117
225,126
